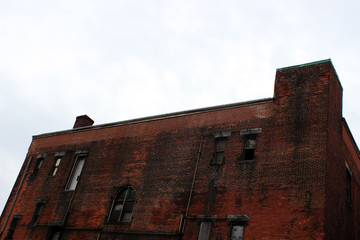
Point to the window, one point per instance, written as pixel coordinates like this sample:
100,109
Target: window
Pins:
348,185
39,162
12,227
204,232
238,223
38,210
249,147
76,172
55,167
220,144
123,205
54,233
237,232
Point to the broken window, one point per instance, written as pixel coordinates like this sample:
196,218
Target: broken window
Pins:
38,210
55,167
204,232
220,144
39,162
249,147
13,225
237,232
123,205
76,172
58,158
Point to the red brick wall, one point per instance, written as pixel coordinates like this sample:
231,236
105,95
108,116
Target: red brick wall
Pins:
300,150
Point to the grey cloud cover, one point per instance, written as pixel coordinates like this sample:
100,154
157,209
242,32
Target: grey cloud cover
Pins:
118,60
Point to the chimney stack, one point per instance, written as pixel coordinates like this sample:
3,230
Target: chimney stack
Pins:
83,121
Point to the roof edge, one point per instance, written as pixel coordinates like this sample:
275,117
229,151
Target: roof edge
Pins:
310,64
306,64
157,117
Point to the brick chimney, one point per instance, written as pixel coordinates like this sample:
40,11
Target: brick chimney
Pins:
83,121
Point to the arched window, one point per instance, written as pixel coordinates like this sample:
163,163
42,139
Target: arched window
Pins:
123,205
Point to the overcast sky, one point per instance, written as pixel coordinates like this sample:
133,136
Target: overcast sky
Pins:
119,60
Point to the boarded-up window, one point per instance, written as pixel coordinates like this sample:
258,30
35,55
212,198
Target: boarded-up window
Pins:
237,232
220,144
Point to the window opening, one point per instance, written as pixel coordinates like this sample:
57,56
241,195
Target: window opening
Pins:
348,186
249,147
38,210
38,164
55,233
123,206
13,225
56,166
237,232
204,232
76,172
220,144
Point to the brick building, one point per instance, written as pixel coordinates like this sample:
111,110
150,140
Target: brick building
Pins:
285,167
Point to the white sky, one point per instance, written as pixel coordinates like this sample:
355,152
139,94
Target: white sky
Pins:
118,60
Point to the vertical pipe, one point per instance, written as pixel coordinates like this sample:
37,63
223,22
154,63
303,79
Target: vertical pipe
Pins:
192,187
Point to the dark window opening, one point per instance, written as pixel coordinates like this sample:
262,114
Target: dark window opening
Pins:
38,210
38,164
123,206
12,227
249,147
220,144
348,186
204,232
54,233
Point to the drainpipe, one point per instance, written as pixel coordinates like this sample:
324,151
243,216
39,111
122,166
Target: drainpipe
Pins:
16,196
192,189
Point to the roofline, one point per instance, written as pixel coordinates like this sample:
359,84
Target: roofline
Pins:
305,64
158,117
310,64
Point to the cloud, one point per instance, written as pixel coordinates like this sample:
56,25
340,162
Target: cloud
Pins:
124,59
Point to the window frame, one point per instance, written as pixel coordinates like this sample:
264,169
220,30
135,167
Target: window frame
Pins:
125,203
71,179
14,222
37,213
240,224
205,230
220,138
238,220
348,185
219,151
249,147
56,165
38,164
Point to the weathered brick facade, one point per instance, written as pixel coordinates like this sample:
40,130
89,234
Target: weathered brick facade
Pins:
286,167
